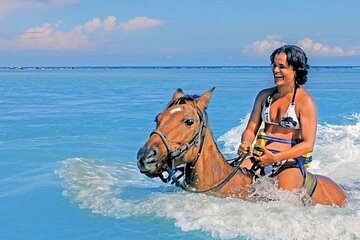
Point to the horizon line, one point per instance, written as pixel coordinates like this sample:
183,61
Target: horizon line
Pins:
163,66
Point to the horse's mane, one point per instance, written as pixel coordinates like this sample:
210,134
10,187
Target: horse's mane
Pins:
182,100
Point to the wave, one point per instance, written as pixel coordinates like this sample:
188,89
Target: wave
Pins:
118,190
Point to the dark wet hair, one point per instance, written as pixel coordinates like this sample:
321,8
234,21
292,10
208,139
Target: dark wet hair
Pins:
296,58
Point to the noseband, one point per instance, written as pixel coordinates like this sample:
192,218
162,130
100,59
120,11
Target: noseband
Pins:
174,157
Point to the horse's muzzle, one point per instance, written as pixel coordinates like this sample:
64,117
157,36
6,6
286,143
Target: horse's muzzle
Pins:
148,161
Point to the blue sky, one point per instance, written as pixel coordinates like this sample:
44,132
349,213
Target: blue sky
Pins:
175,32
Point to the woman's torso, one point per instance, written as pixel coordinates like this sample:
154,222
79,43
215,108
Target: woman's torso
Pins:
278,110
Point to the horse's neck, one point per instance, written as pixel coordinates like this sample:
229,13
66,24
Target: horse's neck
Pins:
211,167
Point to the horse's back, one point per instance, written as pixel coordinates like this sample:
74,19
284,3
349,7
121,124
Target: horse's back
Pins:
328,192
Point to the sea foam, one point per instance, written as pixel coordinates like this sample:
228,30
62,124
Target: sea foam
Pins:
118,190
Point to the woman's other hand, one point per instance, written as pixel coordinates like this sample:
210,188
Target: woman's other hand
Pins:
244,148
267,158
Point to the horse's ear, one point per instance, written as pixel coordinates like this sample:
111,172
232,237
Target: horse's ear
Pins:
204,99
178,94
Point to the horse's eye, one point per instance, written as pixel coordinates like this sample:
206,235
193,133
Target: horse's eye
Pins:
189,121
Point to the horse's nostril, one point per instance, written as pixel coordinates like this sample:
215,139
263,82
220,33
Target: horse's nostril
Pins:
151,154
141,163
147,155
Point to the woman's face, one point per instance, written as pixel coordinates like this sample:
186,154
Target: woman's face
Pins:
284,74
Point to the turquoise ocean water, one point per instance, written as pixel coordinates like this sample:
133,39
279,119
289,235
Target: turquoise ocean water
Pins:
69,138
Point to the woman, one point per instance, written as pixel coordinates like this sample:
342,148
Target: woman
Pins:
290,122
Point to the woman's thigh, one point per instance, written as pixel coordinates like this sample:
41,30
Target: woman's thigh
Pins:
290,179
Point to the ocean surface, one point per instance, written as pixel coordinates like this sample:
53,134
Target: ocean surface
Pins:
69,138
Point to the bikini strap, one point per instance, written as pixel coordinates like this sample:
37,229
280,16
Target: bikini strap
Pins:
268,99
293,97
275,91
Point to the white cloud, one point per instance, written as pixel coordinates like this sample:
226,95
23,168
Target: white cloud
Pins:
107,25
319,49
48,37
92,25
266,46
139,23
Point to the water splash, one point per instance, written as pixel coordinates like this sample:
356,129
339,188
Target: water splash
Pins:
120,191
101,188
337,150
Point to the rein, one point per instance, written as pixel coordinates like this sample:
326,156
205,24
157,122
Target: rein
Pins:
174,156
221,184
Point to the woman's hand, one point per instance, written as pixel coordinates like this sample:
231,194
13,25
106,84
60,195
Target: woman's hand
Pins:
267,158
244,148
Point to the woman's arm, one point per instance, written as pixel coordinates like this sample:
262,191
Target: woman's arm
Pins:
249,134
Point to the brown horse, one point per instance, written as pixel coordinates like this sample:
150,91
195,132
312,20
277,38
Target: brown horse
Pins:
182,147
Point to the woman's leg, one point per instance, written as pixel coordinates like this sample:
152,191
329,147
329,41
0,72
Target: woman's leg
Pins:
290,179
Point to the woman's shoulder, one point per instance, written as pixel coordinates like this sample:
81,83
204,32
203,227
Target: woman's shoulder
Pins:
263,95
266,92
304,97
303,93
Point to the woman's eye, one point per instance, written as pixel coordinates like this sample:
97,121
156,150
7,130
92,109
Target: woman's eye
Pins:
189,122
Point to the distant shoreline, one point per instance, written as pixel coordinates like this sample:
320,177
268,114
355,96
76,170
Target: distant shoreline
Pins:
153,67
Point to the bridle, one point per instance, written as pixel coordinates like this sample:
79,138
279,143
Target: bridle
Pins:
173,158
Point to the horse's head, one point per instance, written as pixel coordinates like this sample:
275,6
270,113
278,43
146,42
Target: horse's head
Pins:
178,137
